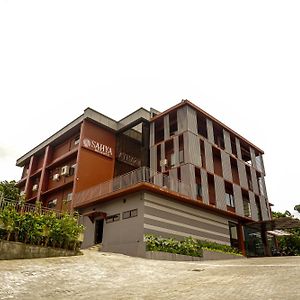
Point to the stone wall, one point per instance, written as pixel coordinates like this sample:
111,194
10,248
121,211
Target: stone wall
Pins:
16,250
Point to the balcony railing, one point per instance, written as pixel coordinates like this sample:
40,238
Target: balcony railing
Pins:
22,207
143,174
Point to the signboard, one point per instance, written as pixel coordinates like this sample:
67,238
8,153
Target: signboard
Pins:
97,147
128,159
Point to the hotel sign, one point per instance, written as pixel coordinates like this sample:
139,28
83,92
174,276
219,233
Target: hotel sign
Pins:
97,147
128,159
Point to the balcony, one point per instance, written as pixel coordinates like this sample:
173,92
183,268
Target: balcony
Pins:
141,175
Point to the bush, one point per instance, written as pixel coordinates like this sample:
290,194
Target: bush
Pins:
40,229
188,246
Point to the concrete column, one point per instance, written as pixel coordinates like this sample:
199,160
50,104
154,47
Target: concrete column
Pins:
152,134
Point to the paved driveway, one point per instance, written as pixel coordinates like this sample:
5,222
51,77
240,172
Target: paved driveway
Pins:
98,275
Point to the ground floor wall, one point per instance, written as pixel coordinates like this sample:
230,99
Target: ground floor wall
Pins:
122,227
128,219
169,218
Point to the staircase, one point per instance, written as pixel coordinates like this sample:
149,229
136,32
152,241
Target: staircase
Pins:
97,247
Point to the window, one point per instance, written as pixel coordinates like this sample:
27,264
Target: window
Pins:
181,157
113,218
247,208
69,197
199,190
229,199
246,203
130,214
233,232
52,203
173,160
77,140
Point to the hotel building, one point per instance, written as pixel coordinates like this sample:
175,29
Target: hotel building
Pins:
178,173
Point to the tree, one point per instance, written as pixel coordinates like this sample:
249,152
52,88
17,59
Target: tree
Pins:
9,190
297,208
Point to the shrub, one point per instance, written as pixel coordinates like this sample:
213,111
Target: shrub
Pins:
188,246
40,229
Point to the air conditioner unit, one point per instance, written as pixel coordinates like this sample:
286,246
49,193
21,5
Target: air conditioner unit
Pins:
55,177
65,170
35,187
163,162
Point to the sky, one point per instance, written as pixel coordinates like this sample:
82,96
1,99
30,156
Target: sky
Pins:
237,60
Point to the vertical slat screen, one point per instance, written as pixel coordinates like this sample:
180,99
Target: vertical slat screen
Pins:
182,119
264,210
153,158
242,174
210,131
152,132
220,192
227,141
176,150
226,166
192,120
254,181
253,160
166,127
204,184
237,192
209,157
193,148
238,148
254,212
163,156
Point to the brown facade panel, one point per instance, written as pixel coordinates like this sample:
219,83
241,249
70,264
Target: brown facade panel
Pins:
220,193
226,166
227,141
205,195
208,157
254,212
242,174
210,131
238,199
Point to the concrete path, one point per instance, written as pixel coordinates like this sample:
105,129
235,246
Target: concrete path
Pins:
98,275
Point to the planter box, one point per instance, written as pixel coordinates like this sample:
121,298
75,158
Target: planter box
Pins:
207,255
171,256
216,255
16,250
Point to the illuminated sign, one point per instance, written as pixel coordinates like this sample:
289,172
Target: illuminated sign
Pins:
97,147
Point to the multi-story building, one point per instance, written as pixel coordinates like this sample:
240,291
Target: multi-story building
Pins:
177,173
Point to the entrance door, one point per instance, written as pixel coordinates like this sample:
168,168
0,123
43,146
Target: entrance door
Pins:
98,231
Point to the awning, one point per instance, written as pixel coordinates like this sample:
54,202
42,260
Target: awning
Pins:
276,224
95,214
279,232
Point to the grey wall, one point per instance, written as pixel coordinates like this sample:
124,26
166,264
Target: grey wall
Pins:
167,218
124,236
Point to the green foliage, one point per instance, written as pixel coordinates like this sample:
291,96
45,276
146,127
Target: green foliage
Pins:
297,208
288,245
40,229
188,246
9,190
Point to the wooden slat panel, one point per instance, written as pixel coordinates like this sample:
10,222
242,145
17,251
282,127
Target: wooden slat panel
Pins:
237,192
227,141
226,166
210,131
208,157
220,192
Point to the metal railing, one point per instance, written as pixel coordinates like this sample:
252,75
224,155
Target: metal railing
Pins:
22,207
143,174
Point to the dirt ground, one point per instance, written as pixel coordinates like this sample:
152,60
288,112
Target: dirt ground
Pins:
99,275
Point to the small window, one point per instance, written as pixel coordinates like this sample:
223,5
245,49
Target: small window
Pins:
77,140
173,160
52,203
69,197
181,157
130,214
199,190
229,200
113,218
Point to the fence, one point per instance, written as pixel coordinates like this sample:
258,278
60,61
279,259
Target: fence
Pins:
143,174
22,207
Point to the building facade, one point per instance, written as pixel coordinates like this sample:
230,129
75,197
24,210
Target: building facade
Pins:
177,173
